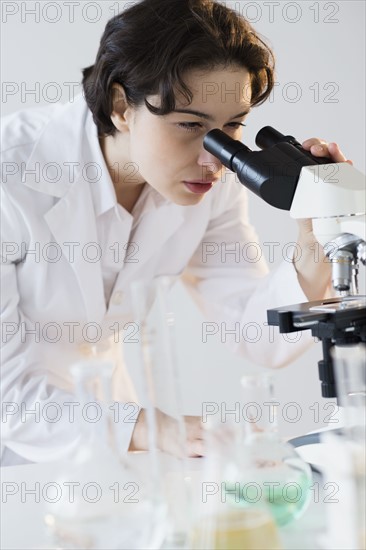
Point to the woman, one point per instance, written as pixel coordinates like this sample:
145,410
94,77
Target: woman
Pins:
117,186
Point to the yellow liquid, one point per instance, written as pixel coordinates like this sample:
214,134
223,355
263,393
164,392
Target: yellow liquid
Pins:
245,529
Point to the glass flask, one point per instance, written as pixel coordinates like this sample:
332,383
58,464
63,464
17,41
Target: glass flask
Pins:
283,477
110,499
228,510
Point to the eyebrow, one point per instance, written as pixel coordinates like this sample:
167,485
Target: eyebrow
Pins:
205,115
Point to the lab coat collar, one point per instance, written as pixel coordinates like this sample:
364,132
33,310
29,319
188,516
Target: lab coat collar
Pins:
62,149
102,190
64,156
57,159
72,224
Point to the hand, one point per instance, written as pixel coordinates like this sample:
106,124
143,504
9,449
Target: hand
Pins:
168,435
320,148
315,276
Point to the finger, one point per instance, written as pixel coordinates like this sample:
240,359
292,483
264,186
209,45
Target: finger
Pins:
317,147
335,153
195,448
308,143
320,148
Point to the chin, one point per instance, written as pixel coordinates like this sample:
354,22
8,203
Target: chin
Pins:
190,200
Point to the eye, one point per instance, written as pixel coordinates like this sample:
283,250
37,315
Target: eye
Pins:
236,125
190,126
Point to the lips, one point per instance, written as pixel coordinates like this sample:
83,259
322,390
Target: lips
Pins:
203,182
199,186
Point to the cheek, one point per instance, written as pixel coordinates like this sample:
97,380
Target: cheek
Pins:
142,148
162,150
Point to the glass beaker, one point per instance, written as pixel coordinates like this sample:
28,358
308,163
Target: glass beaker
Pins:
108,500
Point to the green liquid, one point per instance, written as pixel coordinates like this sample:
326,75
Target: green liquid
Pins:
287,503
286,494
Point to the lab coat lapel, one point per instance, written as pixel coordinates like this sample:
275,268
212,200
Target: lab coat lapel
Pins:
57,158
154,229
72,223
60,155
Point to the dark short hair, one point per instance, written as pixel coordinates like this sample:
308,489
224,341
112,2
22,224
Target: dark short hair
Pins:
149,48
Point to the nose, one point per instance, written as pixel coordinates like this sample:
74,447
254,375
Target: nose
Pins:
209,163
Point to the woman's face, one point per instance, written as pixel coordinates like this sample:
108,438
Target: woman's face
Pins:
168,150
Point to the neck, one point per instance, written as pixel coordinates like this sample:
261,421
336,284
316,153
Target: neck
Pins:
127,182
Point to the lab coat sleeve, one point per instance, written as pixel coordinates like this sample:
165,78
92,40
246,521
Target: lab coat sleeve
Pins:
230,281
37,421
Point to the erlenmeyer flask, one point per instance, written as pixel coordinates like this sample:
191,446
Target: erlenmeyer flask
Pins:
283,477
108,500
229,514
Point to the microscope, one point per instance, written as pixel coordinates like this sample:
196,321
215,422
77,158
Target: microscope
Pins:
333,195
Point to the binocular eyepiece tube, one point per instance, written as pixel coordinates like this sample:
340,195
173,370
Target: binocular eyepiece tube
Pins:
271,173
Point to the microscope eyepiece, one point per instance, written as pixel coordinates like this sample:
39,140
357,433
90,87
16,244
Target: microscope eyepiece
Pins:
268,136
223,147
271,173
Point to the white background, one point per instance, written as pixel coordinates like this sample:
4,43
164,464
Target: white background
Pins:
320,91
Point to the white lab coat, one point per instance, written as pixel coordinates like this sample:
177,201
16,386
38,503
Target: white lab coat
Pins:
56,291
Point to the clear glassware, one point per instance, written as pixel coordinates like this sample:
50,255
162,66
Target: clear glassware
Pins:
350,374
228,515
109,500
153,311
231,528
350,446
282,478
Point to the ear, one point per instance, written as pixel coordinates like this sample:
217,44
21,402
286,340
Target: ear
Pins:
121,110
